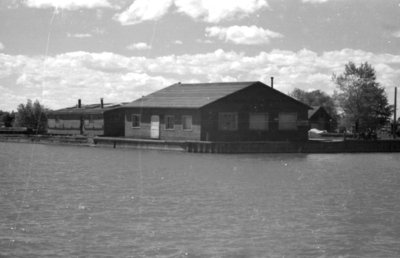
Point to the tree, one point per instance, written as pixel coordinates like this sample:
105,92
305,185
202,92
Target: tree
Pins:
316,98
7,118
32,116
363,100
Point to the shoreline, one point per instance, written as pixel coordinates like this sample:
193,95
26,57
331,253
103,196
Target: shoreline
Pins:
310,146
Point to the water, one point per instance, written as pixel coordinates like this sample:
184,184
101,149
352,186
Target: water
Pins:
64,201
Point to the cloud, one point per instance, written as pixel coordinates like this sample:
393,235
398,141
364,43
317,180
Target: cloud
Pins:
139,46
315,1
143,10
396,34
79,35
247,35
2,46
215,11
68,4
205,10
58,81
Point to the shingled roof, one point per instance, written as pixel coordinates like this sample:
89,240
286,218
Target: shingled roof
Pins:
192,95
85,109
189,95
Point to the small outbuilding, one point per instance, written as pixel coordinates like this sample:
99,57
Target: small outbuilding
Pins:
79,120
319,118
228,111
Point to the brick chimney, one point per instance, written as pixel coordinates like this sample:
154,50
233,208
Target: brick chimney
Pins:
79,103
272,82
101,103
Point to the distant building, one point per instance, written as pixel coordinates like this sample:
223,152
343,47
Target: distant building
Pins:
319,118
79,120
230,111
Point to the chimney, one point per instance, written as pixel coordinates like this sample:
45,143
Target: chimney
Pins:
272,82
79,103
101,103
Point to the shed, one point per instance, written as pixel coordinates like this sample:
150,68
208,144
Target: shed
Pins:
226,111
79,120
319,118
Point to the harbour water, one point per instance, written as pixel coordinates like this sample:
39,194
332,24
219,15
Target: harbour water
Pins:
66,201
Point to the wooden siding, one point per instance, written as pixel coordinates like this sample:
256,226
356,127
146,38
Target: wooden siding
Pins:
243,99
114,122
320,120
76,127
254,99
177,133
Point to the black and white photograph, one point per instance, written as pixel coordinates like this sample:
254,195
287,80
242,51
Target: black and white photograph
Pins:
200,128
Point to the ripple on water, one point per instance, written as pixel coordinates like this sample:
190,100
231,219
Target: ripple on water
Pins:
70,201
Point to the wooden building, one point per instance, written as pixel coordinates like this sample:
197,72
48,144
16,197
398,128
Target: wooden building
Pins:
79,120
229,111
319,118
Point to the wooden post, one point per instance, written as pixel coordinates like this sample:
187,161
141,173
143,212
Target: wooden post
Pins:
395,114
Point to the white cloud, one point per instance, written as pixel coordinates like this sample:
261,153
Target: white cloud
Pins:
315,1
79,35
247,35
396,34
139,46
58,81
144,10
1,46
206,10
178,42
215,11
68,4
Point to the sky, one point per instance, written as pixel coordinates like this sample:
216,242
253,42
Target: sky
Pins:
59,51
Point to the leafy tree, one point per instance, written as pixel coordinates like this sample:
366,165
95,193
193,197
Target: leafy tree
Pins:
316,98
363,100
7,118
32,115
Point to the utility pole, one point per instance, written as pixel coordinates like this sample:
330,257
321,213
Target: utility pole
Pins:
395,114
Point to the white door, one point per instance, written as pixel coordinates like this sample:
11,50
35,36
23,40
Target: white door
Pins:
155,127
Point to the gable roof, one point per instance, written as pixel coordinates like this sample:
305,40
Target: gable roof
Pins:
194,95
316,109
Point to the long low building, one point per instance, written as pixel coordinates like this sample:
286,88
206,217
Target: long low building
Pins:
229,111
79,120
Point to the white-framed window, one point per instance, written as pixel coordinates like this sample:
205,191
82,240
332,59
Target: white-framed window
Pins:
135,121
169,122
259,121
187,123
287,121
228,121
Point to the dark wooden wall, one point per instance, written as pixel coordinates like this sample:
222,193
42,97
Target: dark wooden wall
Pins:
114,122
252,100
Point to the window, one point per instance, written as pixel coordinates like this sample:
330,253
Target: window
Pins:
187,123
287,121
88,120
258,121
227,121
135,121
169,122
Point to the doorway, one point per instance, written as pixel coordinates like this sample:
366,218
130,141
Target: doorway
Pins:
155,127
